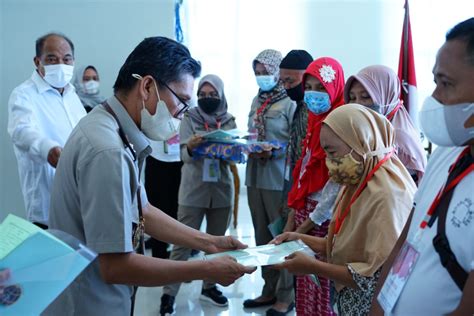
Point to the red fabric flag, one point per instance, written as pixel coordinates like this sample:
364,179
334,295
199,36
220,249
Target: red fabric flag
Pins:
406,69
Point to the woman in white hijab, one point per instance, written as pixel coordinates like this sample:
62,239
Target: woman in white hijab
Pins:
87,83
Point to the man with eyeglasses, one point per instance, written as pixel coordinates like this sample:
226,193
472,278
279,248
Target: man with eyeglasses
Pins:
97,194
42,112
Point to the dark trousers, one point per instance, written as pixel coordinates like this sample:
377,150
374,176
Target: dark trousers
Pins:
162,181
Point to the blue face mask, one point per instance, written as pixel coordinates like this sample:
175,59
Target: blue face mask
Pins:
375,107
317,102
266,83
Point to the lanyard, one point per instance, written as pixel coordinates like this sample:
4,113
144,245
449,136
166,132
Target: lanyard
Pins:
340,219
121,133
445,189
394,111
262,107
206,126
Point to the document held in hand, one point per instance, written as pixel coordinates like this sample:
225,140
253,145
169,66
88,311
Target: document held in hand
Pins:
268,255
41,264
227,136
263,255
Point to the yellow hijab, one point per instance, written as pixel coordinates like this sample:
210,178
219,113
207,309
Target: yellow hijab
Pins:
378,216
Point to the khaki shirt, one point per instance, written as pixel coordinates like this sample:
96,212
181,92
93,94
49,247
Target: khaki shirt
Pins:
192,190
94,199
278,118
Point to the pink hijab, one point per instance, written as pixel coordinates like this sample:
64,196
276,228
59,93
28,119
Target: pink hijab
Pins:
383,86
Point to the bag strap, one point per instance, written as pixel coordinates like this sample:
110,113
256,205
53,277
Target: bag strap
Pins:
440,241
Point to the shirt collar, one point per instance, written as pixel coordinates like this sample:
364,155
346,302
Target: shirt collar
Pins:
139,141
43,86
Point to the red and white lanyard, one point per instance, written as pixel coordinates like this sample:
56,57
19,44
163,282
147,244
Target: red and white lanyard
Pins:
445,189
206,126
394,111
341,217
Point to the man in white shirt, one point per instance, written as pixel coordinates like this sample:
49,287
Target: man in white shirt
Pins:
42,112
414,281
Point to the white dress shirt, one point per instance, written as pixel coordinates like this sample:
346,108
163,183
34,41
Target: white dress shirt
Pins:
40,118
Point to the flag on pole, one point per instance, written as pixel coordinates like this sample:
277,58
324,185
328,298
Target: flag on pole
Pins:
406,69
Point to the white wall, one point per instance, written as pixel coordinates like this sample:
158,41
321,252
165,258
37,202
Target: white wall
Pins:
104,33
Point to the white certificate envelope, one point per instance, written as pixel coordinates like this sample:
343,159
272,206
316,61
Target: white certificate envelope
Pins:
263,255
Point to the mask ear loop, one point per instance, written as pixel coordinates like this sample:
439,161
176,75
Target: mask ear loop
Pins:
138,77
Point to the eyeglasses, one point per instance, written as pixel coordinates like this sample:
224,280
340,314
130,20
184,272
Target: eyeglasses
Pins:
183,107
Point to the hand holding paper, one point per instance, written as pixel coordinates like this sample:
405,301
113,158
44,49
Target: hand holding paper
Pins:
298,263
194,141
225,243
225,270
285,237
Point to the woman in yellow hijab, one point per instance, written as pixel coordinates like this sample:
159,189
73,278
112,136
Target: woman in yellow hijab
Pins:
369,213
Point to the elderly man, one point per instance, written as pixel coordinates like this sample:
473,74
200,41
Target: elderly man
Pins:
43,110
430,270
97,193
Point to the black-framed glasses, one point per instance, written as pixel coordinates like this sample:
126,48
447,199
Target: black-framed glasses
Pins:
181,110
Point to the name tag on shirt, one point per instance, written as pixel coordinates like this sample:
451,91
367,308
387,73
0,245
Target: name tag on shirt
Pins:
397,277
211,170
287,168
303,165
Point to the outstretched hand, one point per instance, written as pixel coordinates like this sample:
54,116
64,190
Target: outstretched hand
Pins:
287,236
225,270
224,243
298,263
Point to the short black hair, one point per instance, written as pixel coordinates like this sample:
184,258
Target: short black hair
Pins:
162,58
464,31
40,42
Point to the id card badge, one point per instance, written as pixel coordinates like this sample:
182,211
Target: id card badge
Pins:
211,170
287,168
397,277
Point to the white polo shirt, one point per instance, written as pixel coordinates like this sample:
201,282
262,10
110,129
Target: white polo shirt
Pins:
40,118
430,289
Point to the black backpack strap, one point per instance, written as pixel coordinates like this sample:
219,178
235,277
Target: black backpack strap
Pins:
440,241
446,255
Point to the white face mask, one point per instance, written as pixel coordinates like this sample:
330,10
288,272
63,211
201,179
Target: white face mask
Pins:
58,75
444,124
90,87
162,125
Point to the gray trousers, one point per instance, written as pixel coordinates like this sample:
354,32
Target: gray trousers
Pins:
217,222
264,207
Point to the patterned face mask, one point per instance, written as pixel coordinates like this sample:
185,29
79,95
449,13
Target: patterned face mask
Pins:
317,102
345,170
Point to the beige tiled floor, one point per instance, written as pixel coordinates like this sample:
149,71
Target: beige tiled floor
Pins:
187,300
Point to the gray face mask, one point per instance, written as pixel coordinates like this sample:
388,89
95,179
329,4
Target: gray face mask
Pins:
375,107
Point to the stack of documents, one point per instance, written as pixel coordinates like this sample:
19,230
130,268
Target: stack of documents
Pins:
41,266
227,136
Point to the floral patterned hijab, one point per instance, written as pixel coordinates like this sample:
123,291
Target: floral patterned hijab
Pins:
311,175
270,59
